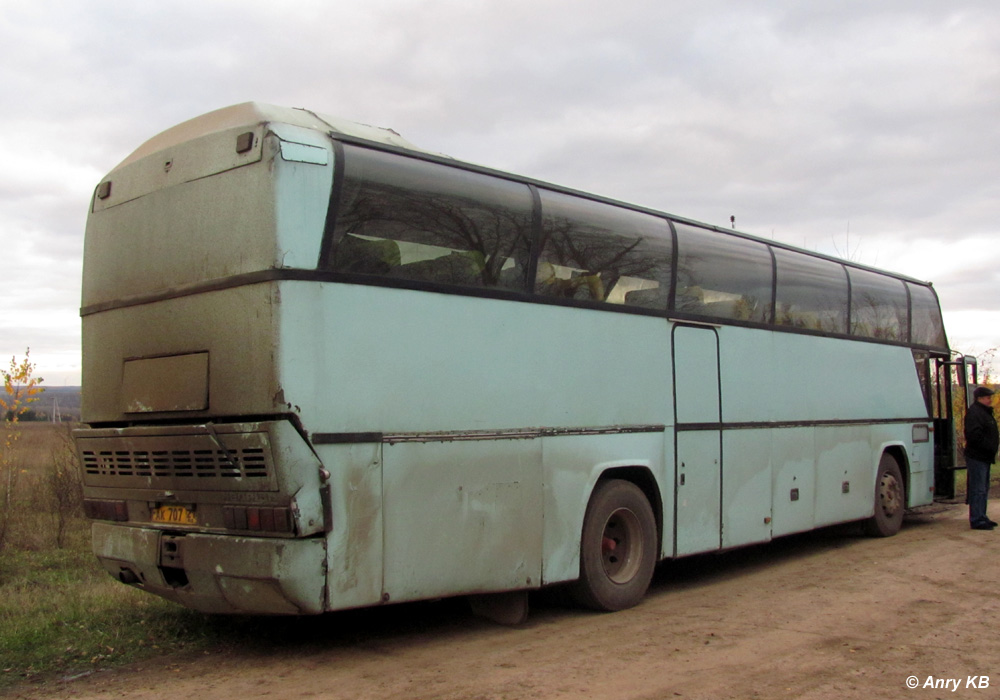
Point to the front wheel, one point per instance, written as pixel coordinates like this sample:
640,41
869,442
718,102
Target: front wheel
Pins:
617,549
890,500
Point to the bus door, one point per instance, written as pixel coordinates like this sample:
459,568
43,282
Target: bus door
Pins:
697,440
945,417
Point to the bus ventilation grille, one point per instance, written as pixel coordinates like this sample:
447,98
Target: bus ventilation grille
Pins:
224,462
245,463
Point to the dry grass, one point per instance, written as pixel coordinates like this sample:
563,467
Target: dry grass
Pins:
40,487
61,616
38,441
60,613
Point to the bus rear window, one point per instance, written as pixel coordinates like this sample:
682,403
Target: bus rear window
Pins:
598,252
406,218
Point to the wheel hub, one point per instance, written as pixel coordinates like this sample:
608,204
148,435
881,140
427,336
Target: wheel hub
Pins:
621,546
890,495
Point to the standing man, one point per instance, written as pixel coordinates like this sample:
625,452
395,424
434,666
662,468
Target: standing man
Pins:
981,443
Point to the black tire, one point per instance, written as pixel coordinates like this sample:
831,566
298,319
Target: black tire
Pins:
617,549
890,500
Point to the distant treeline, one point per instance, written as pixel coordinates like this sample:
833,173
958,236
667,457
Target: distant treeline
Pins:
54,403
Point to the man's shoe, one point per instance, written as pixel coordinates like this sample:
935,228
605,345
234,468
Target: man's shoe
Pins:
991,522
989,525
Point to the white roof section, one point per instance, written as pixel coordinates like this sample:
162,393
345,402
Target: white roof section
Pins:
250,114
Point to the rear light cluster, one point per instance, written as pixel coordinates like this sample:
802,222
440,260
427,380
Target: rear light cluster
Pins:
234,517
258,519
116,511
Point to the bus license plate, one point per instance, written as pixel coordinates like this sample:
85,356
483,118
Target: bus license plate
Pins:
174,515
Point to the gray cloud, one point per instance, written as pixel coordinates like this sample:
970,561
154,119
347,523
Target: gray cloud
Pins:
806,122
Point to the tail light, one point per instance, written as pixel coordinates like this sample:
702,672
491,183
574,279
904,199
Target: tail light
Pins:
116,511
257,519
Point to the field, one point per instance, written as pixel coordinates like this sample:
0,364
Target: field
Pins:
60,614
818,615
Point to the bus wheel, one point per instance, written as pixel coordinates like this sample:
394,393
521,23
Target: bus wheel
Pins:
890,500
618,547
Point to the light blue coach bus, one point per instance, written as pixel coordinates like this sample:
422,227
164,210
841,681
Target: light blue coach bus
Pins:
325,369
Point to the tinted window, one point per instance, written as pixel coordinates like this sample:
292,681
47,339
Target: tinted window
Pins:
407,218
920,359
599,252
878,306
722,276
927,327
811,293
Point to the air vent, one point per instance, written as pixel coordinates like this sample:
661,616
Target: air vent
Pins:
203,464
227,461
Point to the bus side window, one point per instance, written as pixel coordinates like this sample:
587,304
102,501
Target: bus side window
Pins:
926,322
878,306
723,276
598,252
811,293
411,219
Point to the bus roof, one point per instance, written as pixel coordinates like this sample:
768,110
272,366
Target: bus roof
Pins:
250,114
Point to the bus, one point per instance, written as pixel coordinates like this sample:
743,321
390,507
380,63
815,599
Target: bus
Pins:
326,369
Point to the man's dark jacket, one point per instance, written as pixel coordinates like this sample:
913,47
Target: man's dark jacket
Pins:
981,437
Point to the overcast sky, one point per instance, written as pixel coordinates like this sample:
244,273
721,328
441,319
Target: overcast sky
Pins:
868,129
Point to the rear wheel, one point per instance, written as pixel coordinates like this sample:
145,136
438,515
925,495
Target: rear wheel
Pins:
890,500
617,549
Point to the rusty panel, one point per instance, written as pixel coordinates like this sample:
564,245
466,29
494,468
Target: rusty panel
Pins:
224,574
356,535
235,324
180,162
173,383
173,237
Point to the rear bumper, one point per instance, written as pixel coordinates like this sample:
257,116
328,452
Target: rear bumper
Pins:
217,573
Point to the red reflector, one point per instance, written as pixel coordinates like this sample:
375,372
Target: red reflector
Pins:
267,519
282,520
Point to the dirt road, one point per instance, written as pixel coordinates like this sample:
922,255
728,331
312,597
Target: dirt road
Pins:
825,615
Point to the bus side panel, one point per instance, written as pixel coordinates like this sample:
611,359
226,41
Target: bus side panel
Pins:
768,376
794,477
398,361
419,361
699,493
921,481
354,494
753,386
915,459
461,517
845,480
300,182
746,487
572,466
